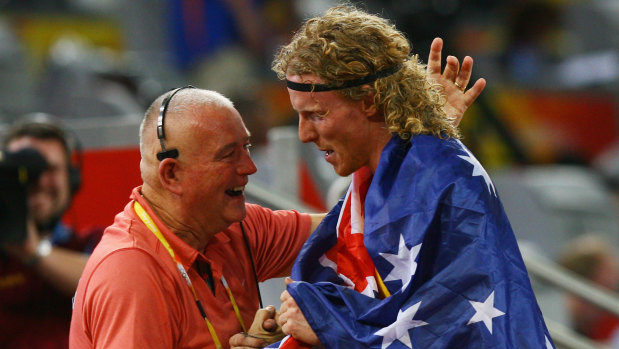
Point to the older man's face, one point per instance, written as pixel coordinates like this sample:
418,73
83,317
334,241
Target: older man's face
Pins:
216,168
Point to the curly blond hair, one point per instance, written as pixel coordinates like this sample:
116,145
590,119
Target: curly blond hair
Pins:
347,43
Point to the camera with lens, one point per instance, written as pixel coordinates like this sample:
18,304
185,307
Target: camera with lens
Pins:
19,171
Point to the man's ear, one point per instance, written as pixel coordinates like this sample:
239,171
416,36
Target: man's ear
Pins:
168,175
367,104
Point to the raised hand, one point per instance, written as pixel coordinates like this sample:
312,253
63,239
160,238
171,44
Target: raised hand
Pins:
454,80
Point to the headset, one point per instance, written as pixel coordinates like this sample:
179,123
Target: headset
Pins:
166,153
47,126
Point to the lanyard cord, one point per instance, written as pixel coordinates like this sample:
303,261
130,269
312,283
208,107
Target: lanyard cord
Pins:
153,227
253,265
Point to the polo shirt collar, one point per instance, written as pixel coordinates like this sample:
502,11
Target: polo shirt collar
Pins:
183,251
186,254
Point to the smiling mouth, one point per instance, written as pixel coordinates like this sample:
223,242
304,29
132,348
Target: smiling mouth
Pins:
237,191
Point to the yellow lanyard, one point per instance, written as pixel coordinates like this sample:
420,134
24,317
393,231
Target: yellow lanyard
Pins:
153,227
382,289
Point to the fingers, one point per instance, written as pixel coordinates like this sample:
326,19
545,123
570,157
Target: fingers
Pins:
289,326
434,59
298,327
287,302
268,319
243,340
265,313
471,95
453,73
451,68
288,308
292,317
464,76
269,325
270,311
284,297
264,326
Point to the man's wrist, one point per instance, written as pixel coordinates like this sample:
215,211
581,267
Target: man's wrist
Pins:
44,248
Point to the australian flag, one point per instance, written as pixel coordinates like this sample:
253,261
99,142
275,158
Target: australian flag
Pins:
438,236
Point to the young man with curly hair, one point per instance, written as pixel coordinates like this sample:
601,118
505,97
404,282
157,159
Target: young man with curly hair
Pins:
419,252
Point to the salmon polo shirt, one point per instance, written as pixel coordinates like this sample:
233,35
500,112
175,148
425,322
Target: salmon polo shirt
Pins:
132,295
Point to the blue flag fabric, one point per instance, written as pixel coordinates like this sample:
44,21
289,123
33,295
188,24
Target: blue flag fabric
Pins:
439,237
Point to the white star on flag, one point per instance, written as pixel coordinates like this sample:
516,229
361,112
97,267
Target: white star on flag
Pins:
478,170
485,312
399,329
404,264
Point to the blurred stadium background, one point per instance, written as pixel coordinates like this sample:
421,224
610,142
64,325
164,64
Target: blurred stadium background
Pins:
546,127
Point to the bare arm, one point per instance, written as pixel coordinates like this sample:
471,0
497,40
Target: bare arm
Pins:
61,267
316,219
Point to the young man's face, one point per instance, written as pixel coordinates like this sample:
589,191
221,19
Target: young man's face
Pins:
49,198
335,124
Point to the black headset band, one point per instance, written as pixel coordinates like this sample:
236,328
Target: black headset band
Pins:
166,153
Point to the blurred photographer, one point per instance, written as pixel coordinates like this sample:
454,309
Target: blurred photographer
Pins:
41,259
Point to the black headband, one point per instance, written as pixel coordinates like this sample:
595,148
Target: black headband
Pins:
346,84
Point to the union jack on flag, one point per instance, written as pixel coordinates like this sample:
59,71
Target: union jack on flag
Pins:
439,266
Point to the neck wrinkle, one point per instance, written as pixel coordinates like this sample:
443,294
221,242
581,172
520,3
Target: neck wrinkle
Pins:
176,225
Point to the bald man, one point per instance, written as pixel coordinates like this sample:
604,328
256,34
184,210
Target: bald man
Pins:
180,254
